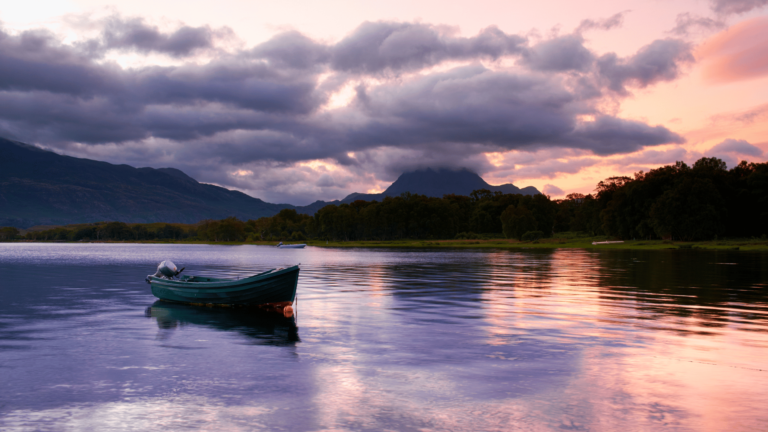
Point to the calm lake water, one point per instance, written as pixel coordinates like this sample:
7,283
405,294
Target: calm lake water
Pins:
402,340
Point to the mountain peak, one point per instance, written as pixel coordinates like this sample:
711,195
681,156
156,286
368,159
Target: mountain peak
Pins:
438,182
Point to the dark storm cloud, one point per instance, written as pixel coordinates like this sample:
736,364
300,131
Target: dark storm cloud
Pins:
135,34
559,54
729,7
470,104
35,60
610,135
270,145
391,47
659,61
58,93
132,34
388,163
452,115
54,118
293,49
492,111
376,47
231,81
165,102
265,104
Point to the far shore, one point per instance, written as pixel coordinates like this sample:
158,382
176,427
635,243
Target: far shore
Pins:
550,243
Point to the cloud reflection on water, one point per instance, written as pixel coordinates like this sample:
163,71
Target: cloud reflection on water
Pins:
388,339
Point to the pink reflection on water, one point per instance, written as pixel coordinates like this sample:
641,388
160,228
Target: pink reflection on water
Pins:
639,369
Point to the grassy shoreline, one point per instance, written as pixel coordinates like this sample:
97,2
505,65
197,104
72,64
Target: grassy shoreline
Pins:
554,243
551,243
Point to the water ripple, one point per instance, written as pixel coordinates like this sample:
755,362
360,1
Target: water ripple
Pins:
387,339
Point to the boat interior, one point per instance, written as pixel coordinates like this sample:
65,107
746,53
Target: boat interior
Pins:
187,278
201,279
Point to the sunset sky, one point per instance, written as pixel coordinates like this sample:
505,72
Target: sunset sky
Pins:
301,100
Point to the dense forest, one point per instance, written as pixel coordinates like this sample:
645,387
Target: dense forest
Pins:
678,202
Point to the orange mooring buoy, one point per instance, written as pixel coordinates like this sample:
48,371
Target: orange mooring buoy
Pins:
288,311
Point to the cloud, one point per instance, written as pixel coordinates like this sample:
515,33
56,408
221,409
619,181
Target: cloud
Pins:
610,135
493,111
733,151
35,60
388,163
730,150
553,168
54,93
293,49
658,61
654,157
376,47
685,23
136,35
614,21
751,115
559,54
730,7
739,53
544,163
552,190
264,109
736,146
326,180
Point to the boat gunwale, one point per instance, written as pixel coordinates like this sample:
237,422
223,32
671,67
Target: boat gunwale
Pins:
217,285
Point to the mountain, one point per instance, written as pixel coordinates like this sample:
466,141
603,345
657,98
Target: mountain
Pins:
436,183
39,187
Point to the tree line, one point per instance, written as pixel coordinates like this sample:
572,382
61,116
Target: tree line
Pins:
119,231
679,202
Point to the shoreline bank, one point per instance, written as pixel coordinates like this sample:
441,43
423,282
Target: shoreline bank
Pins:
552,243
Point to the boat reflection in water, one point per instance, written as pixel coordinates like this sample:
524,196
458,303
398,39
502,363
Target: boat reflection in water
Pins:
268,328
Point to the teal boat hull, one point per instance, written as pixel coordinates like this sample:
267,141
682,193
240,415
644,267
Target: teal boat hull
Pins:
272,288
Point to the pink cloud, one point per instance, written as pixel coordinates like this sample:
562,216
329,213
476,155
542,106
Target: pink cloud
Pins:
553,191
733,151
737,146
738,53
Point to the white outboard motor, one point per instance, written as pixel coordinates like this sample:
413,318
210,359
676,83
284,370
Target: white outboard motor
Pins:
167,269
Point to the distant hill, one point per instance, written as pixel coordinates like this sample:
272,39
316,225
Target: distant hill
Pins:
436,183
39,187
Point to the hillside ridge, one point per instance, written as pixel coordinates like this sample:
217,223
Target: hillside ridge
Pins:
41,187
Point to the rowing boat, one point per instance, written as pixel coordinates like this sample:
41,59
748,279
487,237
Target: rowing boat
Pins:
272,289
291,246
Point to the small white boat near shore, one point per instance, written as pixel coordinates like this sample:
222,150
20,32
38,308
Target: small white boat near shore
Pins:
291,246
608,242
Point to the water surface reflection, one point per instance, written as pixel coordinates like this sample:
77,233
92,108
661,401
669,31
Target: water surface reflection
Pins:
262,327
399,340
